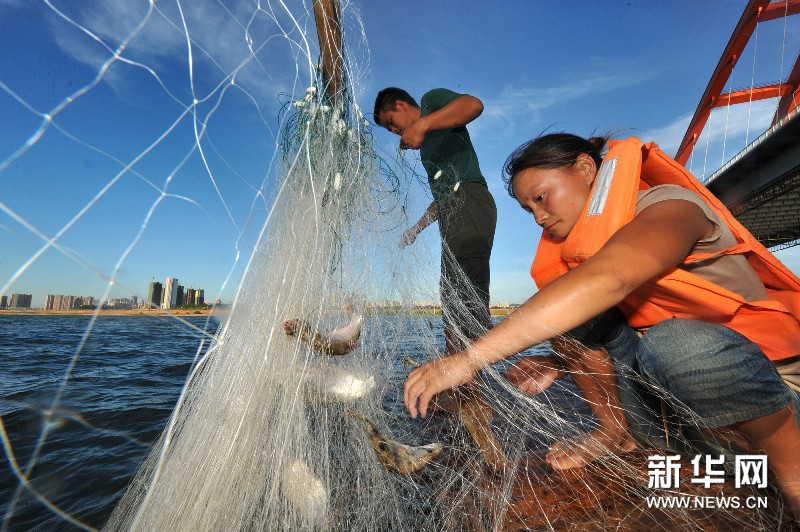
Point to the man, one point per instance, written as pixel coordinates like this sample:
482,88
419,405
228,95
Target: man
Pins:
462,203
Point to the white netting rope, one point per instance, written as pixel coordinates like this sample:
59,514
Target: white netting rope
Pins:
752,85
267,433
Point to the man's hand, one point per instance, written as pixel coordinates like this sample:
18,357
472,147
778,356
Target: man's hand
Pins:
534,374
414,135
434,377
409,236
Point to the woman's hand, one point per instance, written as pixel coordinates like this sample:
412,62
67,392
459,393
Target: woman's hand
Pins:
434,377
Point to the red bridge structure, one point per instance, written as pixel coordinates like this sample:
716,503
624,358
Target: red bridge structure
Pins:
760,184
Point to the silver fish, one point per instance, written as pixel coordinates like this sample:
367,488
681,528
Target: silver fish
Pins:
329,383
337,342
305,492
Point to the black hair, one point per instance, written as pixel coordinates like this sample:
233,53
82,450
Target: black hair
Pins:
385,101
555,150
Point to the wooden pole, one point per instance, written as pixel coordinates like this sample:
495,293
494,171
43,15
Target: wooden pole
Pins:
329,32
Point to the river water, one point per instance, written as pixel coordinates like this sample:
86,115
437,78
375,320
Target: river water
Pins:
117,400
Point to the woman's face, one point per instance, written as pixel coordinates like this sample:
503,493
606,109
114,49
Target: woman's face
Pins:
556,196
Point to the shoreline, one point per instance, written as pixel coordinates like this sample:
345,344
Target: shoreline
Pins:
189,312
134,312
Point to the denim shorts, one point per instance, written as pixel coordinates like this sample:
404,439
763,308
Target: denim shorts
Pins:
693,373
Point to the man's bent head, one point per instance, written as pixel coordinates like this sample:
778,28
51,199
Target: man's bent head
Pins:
395,109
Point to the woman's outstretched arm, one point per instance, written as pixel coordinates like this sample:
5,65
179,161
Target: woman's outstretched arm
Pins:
655,242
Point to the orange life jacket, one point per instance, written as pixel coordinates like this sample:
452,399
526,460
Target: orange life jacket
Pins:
631,166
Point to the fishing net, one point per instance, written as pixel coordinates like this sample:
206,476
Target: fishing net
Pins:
291,416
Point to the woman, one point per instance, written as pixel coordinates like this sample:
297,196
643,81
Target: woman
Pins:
711,307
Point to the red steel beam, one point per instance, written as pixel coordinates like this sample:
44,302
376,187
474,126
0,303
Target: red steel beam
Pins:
790,99
793,103
741,34
753,95
779,9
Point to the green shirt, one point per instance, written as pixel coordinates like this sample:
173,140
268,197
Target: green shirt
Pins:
447,150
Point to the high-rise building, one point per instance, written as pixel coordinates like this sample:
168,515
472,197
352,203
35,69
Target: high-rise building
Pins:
190,296
20,301
179,300
199,297
61,302
154,295
120,303
3,302
170,293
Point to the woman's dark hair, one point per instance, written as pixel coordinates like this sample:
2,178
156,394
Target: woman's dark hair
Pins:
551,151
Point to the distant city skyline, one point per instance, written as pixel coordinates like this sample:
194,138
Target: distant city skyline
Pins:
179,296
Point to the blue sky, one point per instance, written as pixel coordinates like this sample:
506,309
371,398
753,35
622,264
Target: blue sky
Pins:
586,67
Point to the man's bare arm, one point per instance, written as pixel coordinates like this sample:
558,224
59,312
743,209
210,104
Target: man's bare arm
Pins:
430,215
459,112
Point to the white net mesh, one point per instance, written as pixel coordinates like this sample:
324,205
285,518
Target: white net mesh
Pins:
268,432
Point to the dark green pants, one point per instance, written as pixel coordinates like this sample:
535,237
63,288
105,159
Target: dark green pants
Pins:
467,220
